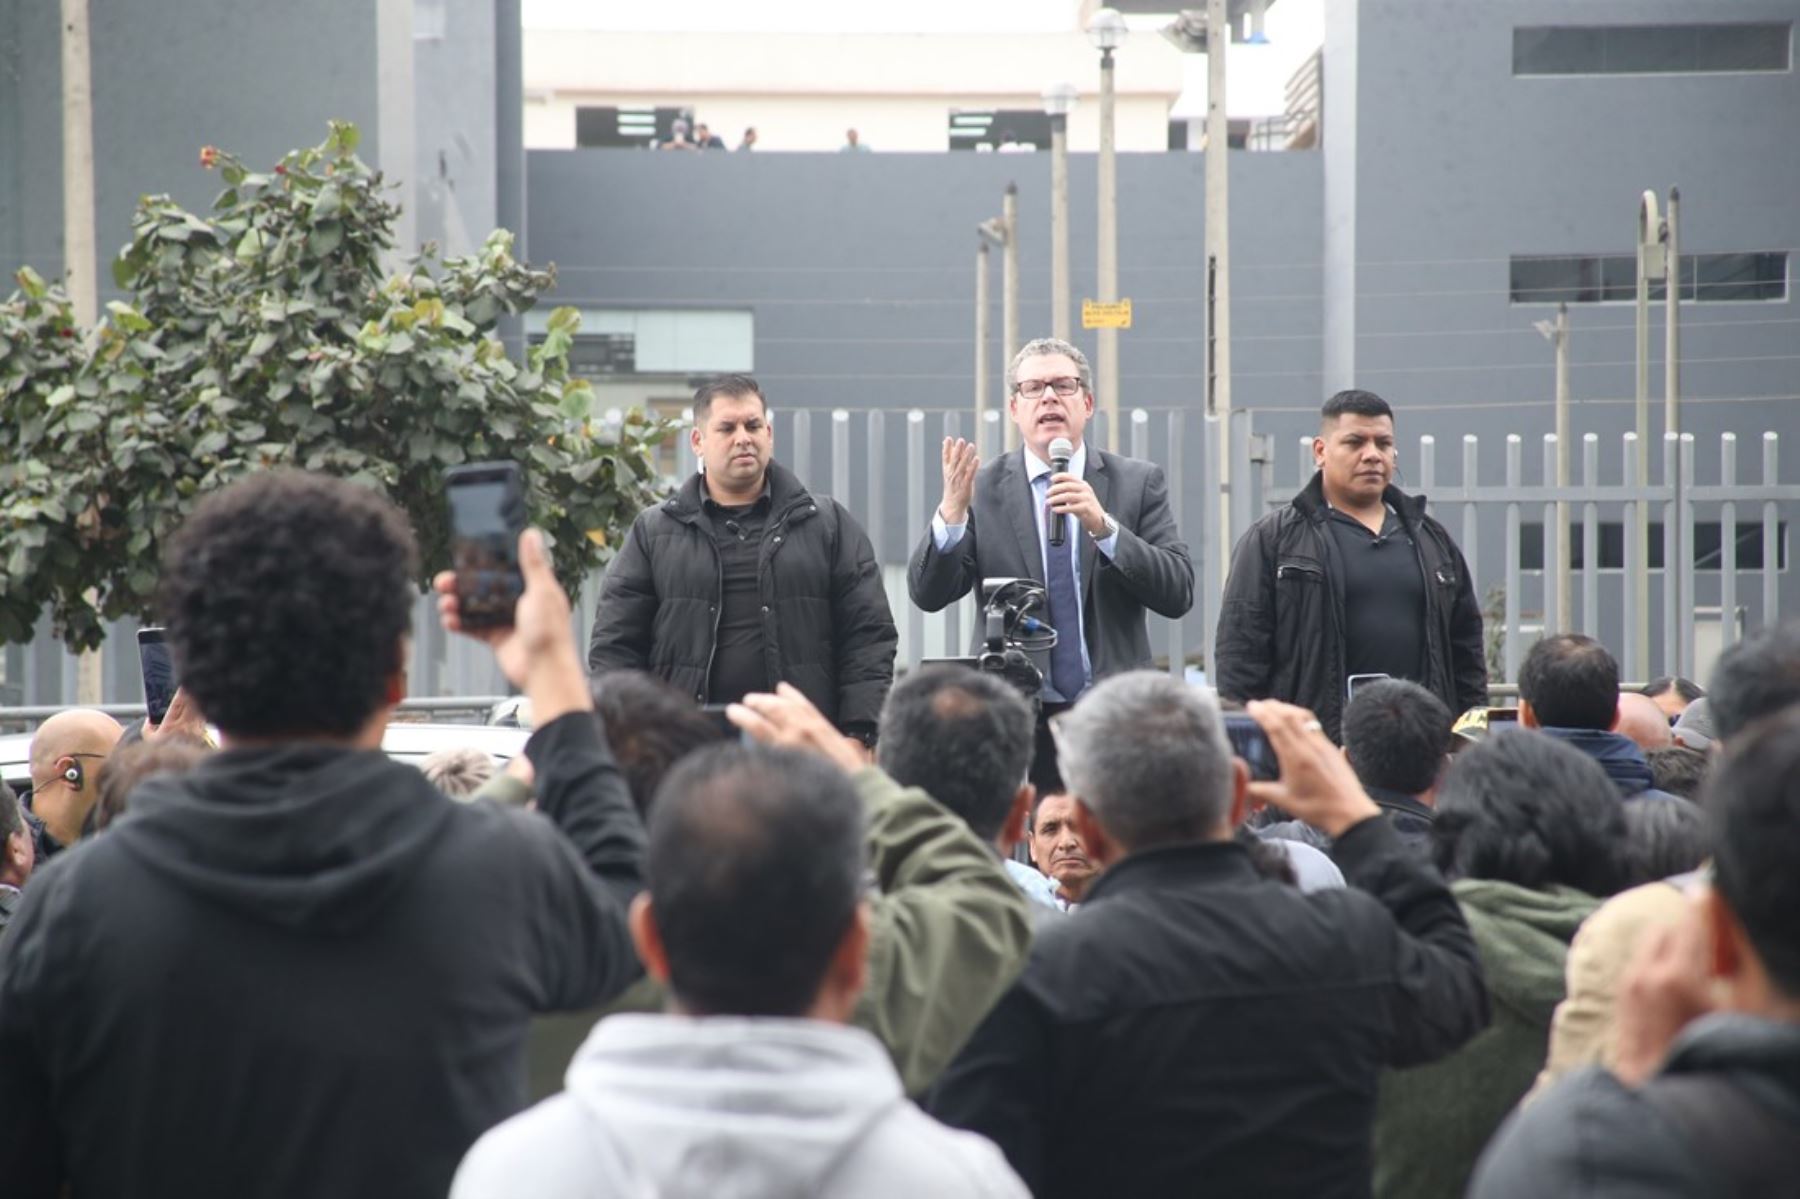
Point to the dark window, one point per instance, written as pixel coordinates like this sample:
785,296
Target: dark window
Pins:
991,128
1596,278
635,126
1649,49
1707,548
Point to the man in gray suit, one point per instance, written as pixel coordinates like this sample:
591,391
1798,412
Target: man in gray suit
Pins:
1121,552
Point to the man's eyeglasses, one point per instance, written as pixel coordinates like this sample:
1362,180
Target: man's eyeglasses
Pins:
1033,389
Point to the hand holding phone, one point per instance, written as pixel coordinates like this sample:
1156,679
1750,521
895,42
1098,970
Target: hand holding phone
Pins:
1317,784
535,651
1249,742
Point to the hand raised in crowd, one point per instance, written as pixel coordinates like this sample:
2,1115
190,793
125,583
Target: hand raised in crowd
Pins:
788,719
537,653
182,718
960,464
1076,497
1317,784
1664,990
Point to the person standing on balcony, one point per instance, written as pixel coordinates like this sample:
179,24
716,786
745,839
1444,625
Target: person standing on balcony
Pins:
744,579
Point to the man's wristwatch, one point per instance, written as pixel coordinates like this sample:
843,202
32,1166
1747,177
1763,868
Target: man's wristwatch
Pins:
1112,526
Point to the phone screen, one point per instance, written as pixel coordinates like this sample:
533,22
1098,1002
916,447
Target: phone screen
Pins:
159,673
1249,742
1502,716
487,514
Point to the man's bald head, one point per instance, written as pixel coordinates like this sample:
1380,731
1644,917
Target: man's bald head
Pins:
76,731
1643,720
66,754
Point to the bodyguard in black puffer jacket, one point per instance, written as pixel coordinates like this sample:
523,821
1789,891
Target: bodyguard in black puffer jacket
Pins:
1281,624
674,605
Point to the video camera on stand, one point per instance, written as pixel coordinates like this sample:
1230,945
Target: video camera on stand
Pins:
1013,632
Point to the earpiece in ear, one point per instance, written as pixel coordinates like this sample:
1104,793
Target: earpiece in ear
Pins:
73,775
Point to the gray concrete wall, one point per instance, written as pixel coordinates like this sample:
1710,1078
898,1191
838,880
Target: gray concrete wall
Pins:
258,77
860,270
1461,165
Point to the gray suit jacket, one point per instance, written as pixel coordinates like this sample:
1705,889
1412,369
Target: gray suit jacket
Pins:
1150,568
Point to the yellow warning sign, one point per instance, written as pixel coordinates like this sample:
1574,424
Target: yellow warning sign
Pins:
1096,315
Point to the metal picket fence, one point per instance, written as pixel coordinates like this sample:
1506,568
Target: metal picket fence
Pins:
884,467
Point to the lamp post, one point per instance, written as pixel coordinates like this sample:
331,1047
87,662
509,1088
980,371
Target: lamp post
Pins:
1557,332
1107,30
1059,99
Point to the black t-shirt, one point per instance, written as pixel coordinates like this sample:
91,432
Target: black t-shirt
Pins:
739,666
1384,598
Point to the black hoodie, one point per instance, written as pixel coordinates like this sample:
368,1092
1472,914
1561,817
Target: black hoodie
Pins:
303,971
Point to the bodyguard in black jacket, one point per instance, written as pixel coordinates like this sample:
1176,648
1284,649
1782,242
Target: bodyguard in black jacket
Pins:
1314,596
1195,1027
744,580
301,970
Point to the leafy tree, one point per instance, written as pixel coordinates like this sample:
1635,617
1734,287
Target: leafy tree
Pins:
267,335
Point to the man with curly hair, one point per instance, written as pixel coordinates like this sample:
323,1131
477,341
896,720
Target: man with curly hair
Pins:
299,969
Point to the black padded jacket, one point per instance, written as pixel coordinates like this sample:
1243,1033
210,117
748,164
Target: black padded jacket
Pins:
830,631
1281,623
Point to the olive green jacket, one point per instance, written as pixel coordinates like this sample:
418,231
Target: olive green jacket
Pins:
949,933
1432,1121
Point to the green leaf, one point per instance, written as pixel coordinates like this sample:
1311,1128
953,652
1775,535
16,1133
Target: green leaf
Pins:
60,396
31,283
261,344
344,139
127,317
249,247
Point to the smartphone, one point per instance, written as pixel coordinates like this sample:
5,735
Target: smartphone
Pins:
1249,742
716,713
487,514
1502,716
159,673
1356,681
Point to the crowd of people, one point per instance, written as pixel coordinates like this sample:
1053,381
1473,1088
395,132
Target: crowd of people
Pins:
1051,929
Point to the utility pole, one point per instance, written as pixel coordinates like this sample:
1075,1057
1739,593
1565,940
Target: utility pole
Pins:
1650,265
1218,266
981,341
80,260
1009,274
1059,98
993,232
509,150
1672,317
1107,30
1558,335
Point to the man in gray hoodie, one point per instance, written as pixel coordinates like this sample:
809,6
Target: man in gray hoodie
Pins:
752,1083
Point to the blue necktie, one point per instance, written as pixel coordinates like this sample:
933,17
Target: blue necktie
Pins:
1066,673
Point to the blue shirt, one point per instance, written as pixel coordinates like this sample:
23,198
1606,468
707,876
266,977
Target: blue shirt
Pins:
945,536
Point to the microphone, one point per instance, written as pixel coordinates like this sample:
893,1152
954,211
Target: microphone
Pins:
1061,450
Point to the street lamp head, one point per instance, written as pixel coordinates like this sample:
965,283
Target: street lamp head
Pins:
1106,29
1059,99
